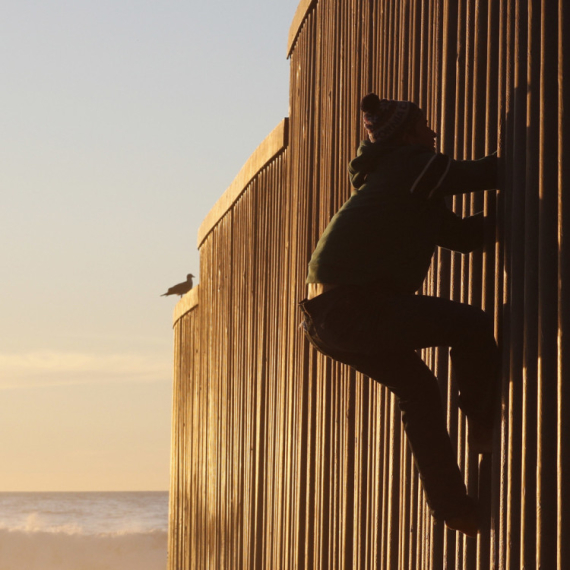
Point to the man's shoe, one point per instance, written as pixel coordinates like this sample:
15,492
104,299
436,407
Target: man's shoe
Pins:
467,522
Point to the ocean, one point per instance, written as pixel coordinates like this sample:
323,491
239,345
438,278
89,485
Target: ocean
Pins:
83,531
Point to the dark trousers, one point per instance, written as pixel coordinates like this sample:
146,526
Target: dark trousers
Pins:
378,334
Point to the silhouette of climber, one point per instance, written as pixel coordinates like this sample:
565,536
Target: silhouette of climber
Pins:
180,288
362,308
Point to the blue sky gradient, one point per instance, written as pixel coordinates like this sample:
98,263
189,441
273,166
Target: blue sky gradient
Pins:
122,124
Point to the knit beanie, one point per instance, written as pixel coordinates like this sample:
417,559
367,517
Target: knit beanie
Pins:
385,119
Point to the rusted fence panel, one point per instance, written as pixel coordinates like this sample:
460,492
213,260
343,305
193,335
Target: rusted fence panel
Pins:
284,459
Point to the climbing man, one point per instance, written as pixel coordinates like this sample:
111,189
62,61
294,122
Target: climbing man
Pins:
362,308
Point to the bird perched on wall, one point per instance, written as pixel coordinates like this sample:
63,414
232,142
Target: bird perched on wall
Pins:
181,288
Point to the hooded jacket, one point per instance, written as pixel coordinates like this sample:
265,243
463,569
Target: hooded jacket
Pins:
387,231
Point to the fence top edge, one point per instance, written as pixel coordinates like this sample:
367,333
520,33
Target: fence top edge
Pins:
273,145
303,9
186,304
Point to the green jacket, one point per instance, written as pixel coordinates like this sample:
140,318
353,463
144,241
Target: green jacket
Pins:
388,229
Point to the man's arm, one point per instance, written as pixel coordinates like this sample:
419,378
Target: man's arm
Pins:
443,176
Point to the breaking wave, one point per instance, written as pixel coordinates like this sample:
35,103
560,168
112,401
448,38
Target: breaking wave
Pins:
68,547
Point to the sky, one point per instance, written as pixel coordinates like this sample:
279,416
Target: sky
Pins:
121,124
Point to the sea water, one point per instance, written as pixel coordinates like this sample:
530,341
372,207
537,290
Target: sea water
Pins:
83,531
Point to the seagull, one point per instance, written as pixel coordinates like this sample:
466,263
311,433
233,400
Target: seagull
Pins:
181,288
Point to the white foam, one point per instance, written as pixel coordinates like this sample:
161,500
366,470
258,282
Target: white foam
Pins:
69,548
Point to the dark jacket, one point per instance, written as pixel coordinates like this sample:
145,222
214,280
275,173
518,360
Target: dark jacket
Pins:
388,229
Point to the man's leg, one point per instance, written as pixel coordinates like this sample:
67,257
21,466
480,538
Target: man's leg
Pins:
366,324
419,400
474,353
378,335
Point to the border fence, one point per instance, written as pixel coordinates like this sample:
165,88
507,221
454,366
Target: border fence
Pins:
283,459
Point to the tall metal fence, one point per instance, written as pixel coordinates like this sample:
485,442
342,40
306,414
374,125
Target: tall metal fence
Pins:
283,459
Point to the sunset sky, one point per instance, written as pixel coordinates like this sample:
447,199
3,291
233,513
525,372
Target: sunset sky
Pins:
122,123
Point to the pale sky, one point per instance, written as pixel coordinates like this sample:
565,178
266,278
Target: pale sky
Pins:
121,124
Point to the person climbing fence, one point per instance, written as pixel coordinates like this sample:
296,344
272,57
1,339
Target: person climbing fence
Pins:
363,307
